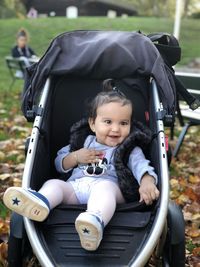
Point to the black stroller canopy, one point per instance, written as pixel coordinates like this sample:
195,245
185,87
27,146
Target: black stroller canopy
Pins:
101,55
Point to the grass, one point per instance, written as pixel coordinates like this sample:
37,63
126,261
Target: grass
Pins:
43,30
3,212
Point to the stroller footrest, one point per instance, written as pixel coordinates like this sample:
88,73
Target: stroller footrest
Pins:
122,240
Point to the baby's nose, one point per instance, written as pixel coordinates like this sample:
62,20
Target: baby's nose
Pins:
115,127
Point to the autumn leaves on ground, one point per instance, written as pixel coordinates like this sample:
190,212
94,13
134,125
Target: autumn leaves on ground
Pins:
185,174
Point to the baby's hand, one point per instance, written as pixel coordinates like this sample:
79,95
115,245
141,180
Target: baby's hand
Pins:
85,155
148,190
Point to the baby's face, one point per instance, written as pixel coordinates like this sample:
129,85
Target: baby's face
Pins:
112,123
22,41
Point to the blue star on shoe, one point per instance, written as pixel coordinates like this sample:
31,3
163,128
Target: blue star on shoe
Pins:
16,201
89,226
86,231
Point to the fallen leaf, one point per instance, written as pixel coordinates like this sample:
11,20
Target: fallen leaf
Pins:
20,129
187,216
196,251
12,153
183,199
3,254
194,207
194,261
17,182
191,194
5,168
2,156
4,226
20,167
194,179
20,120
192,232
174,194
4,176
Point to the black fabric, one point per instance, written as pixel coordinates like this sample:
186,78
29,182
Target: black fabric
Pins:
131,219
139,136
168,47
22,52
101,55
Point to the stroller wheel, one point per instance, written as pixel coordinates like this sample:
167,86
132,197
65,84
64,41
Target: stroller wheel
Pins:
19,247
175,256
174,250
178,254
14,251
19,251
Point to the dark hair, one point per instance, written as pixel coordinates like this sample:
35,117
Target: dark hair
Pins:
22,33
109,94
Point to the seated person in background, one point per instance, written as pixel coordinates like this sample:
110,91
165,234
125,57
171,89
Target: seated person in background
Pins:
22,49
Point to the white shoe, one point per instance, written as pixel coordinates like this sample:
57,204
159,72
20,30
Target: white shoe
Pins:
26,203
90,230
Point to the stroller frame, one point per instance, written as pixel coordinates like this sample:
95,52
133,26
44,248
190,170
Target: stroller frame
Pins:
160,220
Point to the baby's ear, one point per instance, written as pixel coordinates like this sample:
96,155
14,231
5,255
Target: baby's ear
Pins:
91,124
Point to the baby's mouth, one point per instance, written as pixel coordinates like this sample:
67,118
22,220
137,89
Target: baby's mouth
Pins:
114,136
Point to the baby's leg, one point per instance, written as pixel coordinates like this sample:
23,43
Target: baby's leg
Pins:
100,209
36,205
103,199
57,192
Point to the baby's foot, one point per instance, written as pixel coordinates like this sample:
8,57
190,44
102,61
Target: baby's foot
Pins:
90,230
26,202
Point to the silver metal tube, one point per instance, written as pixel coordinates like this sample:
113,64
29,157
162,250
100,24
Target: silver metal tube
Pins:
29,225
160,218
187,74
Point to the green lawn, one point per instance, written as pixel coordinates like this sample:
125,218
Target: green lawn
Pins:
43,30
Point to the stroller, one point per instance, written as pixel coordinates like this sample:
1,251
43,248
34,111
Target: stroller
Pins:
56,88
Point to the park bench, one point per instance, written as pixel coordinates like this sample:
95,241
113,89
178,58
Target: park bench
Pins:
17,67
187,117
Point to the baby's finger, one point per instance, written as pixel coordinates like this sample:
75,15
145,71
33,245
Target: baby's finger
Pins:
156,194
147,198
99,154
153,195
141,199
148,201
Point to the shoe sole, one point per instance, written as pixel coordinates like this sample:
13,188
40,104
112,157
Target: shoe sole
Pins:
90,236
25,204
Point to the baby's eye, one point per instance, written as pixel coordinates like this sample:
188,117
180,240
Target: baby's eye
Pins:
124,123
107,121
